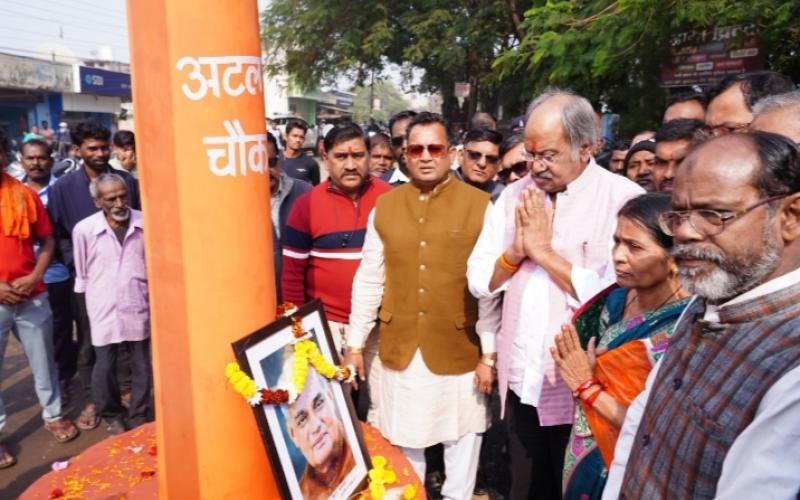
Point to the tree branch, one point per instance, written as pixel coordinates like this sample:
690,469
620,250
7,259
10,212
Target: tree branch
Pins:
583,22
515,19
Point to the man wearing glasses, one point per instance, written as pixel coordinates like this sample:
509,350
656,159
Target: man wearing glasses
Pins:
546,246
480,160
730,102
718,413
398,124
413,279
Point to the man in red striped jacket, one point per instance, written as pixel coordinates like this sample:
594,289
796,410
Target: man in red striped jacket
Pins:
326,228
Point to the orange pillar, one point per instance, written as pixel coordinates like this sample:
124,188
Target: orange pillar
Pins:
199,113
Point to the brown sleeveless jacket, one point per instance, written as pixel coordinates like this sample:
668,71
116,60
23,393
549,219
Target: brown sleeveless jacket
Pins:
427,240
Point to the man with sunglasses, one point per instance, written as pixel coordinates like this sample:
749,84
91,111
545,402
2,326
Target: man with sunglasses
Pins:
413,279
325,230
480,160
546,247
284,191
398,124
719,413
730,102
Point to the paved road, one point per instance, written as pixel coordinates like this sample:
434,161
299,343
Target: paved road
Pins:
24,433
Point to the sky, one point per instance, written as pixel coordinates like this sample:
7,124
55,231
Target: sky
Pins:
37,28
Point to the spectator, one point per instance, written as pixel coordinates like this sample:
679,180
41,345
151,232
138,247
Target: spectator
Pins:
639,162
685,106
513,166
380,154
24,308
125,153
480,160
293,160
779,114
398,124
618,152
674,141
482,119
116,302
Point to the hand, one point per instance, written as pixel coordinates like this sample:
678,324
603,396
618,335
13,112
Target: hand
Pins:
357,360
484,378
537,223
574,365
24,285
516,252
9,295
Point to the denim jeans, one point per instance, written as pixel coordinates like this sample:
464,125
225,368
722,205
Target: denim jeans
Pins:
32,323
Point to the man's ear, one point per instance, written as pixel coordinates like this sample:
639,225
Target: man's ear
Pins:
790,218
585,152
98,204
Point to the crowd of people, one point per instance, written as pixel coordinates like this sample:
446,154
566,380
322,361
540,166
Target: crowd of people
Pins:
529,313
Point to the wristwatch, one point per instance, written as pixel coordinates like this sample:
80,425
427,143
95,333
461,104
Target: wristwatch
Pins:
488,361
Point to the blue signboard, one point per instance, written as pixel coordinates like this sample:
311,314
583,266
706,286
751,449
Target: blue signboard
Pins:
104,82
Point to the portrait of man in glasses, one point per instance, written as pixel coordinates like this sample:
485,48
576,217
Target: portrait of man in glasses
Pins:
480,160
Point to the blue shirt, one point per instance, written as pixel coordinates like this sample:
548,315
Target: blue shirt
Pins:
56,272
70,202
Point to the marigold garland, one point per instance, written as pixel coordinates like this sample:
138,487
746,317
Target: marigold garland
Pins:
382,474
305,352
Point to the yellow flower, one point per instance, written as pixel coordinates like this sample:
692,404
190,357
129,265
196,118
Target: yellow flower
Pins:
377,490
410,492
230,369
379,461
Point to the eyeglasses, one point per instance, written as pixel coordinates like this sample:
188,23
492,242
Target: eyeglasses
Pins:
705,221
477,155
416,151
272,161
520,169
547,158
397,141
725,129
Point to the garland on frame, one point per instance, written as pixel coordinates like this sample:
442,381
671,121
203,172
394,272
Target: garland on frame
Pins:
305,352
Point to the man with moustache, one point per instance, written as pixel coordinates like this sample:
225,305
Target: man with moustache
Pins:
110,270
398,124
480,160
413,279
639,163
70,201
731,100
779,114
315,427
546,246
674,141
325,229
718,417
37,161
616,162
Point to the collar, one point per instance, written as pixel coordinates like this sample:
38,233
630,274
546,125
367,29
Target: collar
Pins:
586,181
52,181
398,176
439,188
101,224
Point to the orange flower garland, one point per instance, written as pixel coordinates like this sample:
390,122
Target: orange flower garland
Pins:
305,352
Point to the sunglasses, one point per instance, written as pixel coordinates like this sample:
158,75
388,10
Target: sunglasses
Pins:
416,151
520,169
477,155
397,141
272,161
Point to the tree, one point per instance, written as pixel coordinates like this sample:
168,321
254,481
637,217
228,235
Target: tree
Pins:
391,101
613,51
450,40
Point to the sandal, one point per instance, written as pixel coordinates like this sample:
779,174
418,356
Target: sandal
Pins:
62,429
88,420
6,458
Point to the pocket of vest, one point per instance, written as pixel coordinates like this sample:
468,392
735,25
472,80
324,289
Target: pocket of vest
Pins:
384,316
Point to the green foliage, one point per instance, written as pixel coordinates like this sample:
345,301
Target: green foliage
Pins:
391,99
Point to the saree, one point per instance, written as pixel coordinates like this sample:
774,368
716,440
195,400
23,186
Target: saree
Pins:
634,346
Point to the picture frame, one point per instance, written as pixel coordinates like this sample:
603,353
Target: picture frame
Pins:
315,445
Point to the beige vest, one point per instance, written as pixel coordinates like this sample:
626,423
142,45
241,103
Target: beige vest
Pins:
427,240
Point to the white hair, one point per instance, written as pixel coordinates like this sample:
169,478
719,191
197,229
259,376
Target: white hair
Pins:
577,118
102,179
778,101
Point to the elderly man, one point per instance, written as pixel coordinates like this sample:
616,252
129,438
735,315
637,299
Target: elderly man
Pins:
730,102
480,160
546,244
326,227
718,417
315,427
414,268
685,106
116,302
398,124
779,114
673,142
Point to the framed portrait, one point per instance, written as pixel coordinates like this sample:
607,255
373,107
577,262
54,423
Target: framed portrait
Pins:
314,444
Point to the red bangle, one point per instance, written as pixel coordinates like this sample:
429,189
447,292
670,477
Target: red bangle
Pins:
589,383
591,399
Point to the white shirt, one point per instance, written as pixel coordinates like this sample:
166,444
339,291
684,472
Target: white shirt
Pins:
763,461
398,176
368,292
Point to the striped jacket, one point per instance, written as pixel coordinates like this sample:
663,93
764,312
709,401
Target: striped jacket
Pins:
708,390
322,245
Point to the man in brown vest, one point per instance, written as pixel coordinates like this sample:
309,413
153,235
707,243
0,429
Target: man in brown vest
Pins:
412,278
719,417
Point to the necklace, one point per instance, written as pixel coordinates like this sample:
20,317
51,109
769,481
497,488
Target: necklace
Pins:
636,298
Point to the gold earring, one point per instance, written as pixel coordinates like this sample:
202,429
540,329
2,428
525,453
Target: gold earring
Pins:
673,269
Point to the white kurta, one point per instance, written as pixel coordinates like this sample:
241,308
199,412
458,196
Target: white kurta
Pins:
416,408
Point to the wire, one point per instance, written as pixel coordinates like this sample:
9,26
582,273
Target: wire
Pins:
97,10
75,55
91,26
65,40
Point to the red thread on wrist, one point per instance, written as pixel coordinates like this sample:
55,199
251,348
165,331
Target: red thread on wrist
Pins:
589,383
592,398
